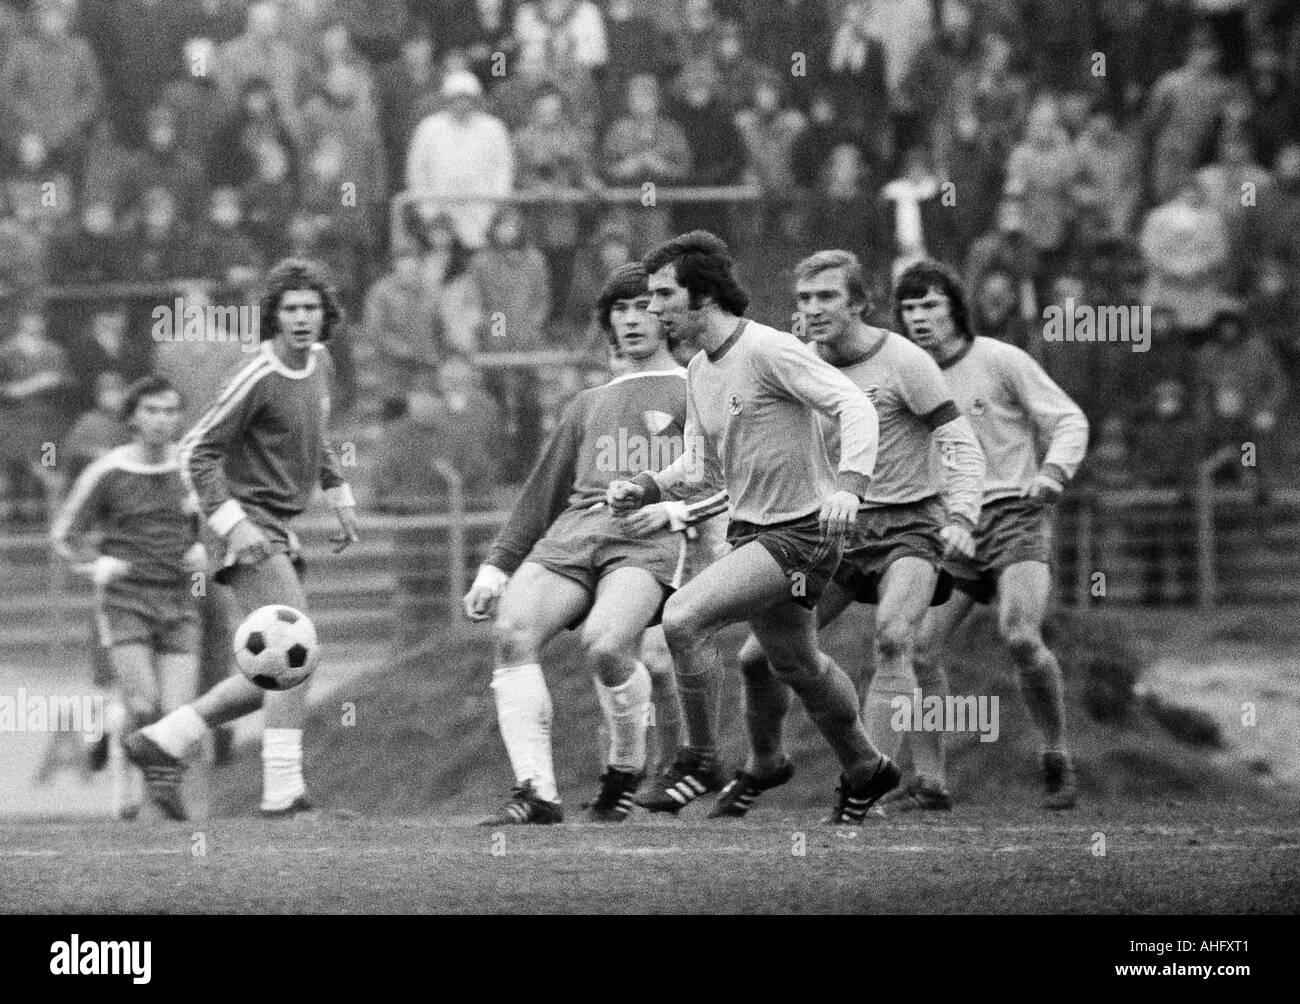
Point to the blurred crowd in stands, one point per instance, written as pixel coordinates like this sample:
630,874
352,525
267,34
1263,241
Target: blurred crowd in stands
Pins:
1067,152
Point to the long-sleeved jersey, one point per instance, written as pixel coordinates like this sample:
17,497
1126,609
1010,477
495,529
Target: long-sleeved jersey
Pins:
634,423
912,402
264,442
144,512
1019,415
752,429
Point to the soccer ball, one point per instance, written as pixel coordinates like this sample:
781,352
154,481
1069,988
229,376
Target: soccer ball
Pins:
276,647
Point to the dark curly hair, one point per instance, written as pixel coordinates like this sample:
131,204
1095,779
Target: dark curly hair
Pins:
297,273
919,279
703,264
626,282
146,386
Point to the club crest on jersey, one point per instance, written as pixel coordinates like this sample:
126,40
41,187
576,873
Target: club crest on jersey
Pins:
977,406
873,392
733,404
656,421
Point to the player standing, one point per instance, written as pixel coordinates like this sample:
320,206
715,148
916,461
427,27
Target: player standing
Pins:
753,398
904,529
253,461
563,559
145,615
1013,406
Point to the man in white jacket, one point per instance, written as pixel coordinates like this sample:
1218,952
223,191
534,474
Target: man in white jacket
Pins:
462,153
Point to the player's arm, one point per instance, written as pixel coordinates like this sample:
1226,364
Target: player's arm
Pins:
545,494
84,507
803,375
339,495
1059,421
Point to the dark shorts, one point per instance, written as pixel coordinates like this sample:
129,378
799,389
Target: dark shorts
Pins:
585,545
806,557
1010,531
885,534
162,616
282,541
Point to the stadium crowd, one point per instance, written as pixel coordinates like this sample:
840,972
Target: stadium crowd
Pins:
1087,152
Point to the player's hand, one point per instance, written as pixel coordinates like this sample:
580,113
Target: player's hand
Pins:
957,541
347,535
1045,488
247,543
481,600
196,558
624,497
106,569
839,513
646,521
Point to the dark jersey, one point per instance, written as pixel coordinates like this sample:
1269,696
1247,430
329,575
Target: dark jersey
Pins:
634,423
146,515
264,441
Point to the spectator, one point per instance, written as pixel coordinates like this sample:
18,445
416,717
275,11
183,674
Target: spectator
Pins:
445,261
90,249
1241,387
1279,223
1063,38
51,88
512,278
1274,310
1185,246
1181,113
998,98
39,191
107,174
770,28
200,107
104,347
929,97
450,418
714,145
854,70
1005,248
770,130
98,428
734,70
608,249
162,163
479,32
697,32
22,264
513,100
1236,186
1110,172
846,213
1042,173
161,247
645,147
409,90
462,152
554,153
399,332
375,28
823,132
261,54
636,45
334,50
34,376
268,199
226,251
921,226
998,312
569,35
256,129
1275,118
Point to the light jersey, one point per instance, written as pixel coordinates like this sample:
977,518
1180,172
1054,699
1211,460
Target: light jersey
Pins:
753,430
145,513
912,400
634,423
1014,406
263,442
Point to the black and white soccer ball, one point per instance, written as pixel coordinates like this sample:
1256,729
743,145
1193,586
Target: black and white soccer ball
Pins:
276,647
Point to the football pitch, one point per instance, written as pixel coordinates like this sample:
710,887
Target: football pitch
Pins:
1188,858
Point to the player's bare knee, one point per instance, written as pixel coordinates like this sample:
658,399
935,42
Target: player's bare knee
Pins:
752,659
609,661
1023,640
515,643
681,623
893,640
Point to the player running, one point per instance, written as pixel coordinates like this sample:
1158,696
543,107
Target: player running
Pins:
1013,406
916,511
562,559
145,616
753,398
253,461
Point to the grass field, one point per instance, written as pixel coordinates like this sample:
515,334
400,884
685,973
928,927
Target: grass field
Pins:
1173,859
1195,812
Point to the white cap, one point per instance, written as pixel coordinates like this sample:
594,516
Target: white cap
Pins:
461,82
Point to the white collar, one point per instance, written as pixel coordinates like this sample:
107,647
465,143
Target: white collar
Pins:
675,371
278,365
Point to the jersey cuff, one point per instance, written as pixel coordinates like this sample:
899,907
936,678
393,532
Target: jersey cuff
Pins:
942,415
677,515
226,516
340,496
852,481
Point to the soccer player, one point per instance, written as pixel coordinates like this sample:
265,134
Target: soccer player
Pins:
1014,406
253,461
563,559
754,394
145,615
916,511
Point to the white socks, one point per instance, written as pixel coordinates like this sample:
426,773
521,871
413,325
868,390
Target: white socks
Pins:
626,709
524,716
177,732
281,768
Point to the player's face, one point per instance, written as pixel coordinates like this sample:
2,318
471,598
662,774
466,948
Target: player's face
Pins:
635,329
671,304
823,302
300,318
157,418
928,320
